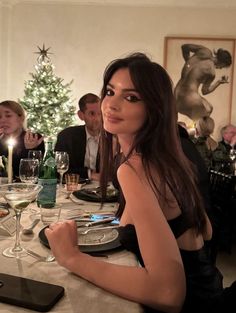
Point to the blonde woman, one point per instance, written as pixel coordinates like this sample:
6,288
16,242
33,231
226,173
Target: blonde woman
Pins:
203,141
12,120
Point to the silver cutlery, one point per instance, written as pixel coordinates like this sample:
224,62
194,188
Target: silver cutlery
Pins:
47,258
29,230
82,202
100,222
78,213
93,217
86,231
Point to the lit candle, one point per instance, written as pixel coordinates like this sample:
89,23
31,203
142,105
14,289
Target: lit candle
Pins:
10,154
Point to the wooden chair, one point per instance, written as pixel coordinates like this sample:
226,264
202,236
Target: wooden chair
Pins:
222,189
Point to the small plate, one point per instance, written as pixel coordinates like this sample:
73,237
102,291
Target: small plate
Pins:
95,243
98,237
93,195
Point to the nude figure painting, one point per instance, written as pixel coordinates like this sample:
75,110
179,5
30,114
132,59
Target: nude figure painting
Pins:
202,74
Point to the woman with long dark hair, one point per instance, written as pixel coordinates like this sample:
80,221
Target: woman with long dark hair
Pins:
162,219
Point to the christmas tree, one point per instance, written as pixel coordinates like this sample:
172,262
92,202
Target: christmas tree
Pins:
47,100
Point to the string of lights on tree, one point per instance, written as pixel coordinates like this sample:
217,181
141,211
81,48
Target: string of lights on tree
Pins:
46,99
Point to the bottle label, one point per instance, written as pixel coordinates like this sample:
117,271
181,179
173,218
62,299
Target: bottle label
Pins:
47,196
50,162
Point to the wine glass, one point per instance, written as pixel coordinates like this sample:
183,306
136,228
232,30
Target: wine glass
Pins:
35,154
18,196
62,162
29,170
232,155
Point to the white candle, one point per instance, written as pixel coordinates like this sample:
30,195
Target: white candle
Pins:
10,153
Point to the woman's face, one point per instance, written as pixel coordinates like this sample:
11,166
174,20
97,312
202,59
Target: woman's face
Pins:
10,122
123,110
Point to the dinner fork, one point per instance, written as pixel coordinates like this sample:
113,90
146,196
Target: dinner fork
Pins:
48,258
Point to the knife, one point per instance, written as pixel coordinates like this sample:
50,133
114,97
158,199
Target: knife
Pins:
100,222
86,217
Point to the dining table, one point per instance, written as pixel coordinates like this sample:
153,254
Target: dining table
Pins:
80,295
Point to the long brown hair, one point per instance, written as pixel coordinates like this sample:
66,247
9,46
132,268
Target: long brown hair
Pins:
157,141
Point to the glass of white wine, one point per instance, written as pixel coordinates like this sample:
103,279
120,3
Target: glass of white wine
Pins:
18,196
62,162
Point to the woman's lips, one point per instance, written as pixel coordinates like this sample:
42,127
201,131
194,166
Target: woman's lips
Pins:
112,118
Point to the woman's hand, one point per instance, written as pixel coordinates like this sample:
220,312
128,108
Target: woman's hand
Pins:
63,240
32,140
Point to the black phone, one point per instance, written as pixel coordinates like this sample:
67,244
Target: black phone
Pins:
28,293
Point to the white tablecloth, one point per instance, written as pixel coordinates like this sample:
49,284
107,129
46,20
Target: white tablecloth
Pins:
80,295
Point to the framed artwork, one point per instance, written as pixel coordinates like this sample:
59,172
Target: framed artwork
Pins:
202,71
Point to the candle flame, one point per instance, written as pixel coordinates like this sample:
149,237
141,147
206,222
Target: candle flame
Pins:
11,142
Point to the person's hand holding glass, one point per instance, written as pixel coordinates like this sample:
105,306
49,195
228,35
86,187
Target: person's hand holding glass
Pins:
29,170
62,162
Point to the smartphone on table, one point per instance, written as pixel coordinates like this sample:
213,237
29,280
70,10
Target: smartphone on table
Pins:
28,293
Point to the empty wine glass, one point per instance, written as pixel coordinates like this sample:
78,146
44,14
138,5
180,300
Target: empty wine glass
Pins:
35,154
29,170
62,162
18,196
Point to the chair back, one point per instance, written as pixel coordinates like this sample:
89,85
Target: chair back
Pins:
221,188
222,206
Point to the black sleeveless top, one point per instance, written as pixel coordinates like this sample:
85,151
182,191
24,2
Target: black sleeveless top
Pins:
205,292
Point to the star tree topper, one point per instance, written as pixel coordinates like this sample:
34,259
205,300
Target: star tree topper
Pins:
43,53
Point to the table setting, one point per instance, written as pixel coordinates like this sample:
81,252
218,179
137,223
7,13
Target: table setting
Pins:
97,227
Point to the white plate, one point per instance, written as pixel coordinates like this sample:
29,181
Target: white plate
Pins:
99,237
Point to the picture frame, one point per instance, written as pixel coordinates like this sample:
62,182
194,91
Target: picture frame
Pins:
220,99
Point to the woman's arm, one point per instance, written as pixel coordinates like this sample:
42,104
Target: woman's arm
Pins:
208,86
161,284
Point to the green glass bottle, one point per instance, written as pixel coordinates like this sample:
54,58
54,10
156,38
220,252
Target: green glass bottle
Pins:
48,178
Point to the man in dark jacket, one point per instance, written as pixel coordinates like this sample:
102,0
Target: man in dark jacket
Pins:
81,142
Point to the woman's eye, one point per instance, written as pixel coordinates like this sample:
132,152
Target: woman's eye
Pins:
109,92
133,98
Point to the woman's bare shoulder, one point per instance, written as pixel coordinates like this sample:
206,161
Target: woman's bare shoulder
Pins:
132,167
